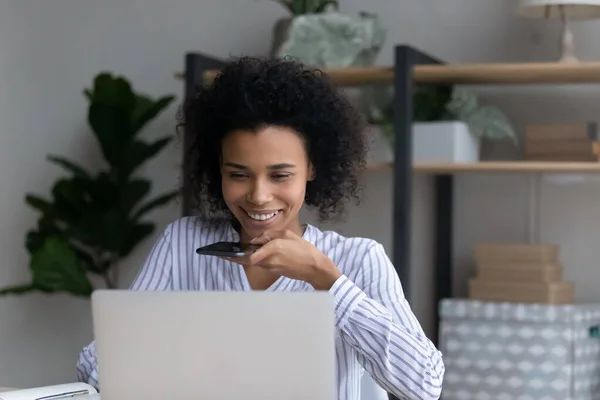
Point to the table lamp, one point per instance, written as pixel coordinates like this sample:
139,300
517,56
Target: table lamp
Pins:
565,10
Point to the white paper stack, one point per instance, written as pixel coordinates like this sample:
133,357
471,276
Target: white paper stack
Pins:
79,390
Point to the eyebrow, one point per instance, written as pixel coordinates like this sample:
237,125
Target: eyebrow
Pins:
272,167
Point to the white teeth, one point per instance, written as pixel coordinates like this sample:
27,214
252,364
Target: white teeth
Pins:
262,217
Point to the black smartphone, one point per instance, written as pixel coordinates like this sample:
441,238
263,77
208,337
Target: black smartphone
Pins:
227,249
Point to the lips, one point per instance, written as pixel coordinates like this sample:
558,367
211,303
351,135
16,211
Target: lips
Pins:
262,216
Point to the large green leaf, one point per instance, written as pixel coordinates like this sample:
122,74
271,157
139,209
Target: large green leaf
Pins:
113,91
319,6
140,152
70,195
112,128
107,230
18,289
157,202
69,166
34,240
484,121
146,110
111,232
430,103
56,268
462,103
104,191
40,204
300,7
132,194
94,230
53,210
46,226
88,262
89,95
488,122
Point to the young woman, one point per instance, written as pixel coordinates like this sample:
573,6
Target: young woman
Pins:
271,136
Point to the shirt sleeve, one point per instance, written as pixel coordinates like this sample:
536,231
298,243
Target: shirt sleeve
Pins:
378,323
156,274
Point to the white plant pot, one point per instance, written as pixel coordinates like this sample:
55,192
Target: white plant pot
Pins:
444,142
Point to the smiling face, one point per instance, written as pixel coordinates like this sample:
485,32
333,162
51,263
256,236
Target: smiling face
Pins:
264,176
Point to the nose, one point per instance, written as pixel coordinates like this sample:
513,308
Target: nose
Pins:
259,193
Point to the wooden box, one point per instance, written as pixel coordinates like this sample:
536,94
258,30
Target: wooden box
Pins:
515,252
521,292
561,142
520,272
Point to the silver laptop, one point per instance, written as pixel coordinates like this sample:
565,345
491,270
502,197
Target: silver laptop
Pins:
214,345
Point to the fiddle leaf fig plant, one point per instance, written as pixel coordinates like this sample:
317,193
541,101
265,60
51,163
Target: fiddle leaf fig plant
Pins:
91,220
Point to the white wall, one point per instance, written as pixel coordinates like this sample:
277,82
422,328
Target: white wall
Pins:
50,51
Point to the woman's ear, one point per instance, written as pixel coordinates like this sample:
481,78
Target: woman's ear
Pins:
311,173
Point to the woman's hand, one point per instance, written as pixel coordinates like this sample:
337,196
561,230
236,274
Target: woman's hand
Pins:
287,254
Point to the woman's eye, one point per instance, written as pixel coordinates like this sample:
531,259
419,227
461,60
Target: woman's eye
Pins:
236,175
280,177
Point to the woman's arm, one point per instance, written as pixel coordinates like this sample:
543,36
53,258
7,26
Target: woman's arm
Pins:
378,323
156,274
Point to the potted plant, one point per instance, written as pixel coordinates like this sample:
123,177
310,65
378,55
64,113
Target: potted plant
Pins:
295,8
318,36
449,122
94,220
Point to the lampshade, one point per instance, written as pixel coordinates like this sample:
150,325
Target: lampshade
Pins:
566,11
547,9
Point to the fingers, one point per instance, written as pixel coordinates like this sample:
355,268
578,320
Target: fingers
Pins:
255,258
264,252
243,260
262,239
265,237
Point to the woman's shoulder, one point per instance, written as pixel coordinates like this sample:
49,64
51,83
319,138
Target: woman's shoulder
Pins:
359,258
333,239
350,250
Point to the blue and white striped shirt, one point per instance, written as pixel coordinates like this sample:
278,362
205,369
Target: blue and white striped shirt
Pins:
377,330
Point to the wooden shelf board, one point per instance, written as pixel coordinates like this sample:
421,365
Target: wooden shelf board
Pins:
515,73
499,167
482,74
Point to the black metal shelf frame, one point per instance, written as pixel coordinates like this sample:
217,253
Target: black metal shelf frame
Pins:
406,57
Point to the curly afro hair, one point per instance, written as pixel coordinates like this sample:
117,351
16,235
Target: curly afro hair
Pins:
251,93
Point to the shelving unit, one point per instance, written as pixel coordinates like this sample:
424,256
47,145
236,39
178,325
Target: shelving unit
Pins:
481,74
412,68
499,167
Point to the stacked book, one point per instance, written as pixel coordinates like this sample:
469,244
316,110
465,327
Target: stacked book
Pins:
521,273
562,142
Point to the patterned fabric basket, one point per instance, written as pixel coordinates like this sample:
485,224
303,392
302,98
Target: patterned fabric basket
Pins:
505,351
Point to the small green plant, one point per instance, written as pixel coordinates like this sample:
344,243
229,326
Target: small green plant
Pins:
93,221
440,103
484,121
301,7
